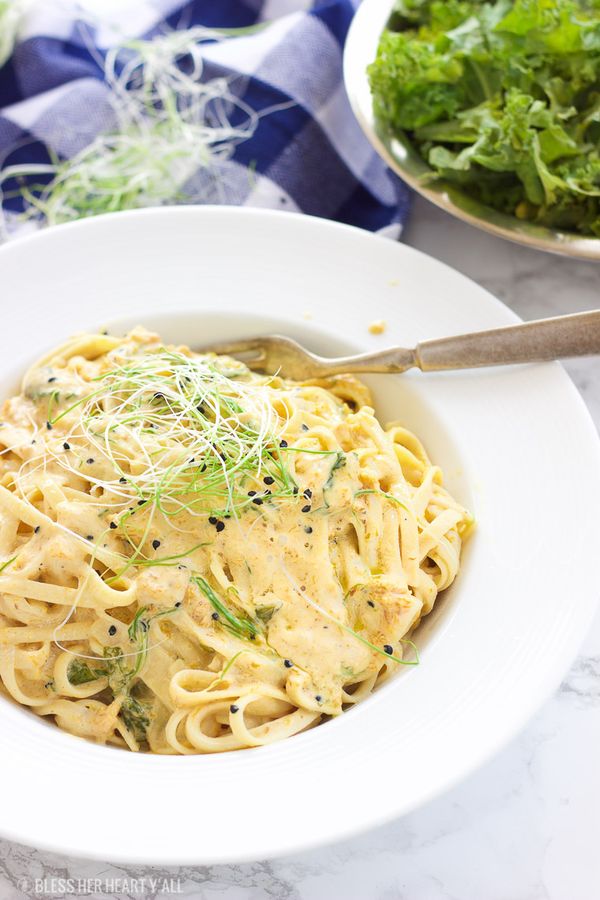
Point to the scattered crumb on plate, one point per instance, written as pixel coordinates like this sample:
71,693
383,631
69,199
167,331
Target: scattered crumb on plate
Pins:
377,326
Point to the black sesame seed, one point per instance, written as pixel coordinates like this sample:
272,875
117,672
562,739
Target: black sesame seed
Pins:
283,443
156,544
304,427
370,603
306,508
123,480
66,446
268,479
90,460
318,698
213,520
178,604
295,491
113,525
90,537
388,649
308,529
233,708
203,467
252,493
257,500
48,426
288,663
215,616
112,630
308,493
191,460
50,380
141,502
36,530
220,526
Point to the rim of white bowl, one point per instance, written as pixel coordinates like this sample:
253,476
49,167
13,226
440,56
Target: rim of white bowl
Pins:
333,246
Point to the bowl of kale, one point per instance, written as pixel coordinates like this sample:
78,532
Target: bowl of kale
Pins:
489,109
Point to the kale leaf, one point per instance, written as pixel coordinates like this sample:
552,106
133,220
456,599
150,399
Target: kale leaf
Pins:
501,99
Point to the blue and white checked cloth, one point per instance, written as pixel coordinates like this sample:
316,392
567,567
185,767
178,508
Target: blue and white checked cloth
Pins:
310,156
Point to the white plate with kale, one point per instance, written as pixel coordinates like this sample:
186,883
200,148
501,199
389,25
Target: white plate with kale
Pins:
252,610
488,110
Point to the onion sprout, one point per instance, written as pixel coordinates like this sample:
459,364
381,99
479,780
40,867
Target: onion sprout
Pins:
11,14
240,627
363,640
172,133
6,564
181,435
141,624
383,494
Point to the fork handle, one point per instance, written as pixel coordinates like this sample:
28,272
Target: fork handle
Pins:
539,341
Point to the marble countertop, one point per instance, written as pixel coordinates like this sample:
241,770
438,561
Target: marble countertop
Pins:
525,826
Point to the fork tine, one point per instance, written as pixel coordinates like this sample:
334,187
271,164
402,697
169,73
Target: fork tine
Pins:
234,348
256,363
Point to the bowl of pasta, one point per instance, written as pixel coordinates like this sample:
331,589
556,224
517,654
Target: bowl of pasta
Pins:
220,588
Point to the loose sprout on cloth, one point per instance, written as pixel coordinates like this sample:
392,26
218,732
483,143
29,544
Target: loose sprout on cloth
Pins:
144,103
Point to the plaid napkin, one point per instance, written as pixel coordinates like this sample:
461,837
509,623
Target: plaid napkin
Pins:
308,155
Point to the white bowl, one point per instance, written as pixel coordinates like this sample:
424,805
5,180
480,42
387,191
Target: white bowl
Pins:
517,446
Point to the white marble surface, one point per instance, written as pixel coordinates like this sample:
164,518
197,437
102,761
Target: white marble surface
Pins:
524,827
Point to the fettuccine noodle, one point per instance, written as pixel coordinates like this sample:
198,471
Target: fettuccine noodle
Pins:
195,558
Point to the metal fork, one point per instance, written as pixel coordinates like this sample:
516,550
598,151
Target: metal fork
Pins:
539,341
